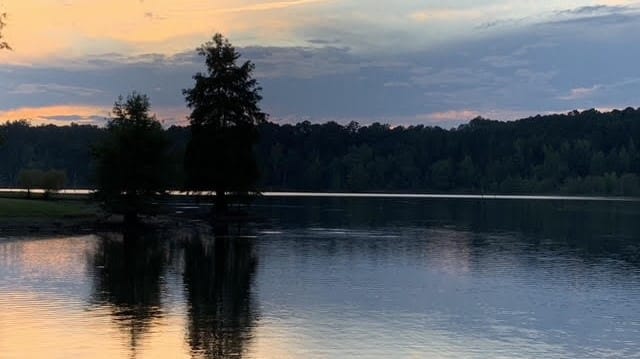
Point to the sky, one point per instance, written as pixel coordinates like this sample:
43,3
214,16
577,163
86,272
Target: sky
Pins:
403,62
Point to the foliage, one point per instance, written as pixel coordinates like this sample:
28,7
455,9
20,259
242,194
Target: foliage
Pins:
225,112
66,148
50,181
132,159
54,180
577,153
29,179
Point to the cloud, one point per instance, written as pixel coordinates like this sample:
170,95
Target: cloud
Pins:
102,26
34,89
535,67
596,14
581,92
303,62
481,14
590,13
460,115
594,10
444,14
505,61
267,6
396,84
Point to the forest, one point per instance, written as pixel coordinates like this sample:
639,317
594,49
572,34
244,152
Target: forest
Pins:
588,152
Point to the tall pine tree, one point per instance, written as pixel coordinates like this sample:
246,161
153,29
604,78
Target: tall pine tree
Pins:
224,118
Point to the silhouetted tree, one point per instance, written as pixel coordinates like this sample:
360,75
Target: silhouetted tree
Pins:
49,181
132,160
28,179
224,117
53,181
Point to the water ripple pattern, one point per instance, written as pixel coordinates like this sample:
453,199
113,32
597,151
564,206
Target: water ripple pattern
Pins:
337,278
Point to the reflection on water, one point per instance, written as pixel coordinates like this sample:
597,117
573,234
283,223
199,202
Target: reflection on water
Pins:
325,277
218,274
127,279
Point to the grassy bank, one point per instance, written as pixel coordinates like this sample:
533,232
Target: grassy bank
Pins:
30,208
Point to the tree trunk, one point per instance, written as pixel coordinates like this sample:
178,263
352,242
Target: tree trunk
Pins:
221,201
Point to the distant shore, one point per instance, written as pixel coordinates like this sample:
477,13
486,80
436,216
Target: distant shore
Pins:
85,194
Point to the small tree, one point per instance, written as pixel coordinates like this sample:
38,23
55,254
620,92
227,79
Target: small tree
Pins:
53,181
29,179
132,161
50,181
224,119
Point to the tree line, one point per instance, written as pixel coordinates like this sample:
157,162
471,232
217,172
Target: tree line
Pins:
585,152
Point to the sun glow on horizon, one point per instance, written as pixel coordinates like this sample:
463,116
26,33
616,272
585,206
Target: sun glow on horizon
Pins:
58,114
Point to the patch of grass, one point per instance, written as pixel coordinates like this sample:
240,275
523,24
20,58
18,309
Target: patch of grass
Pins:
29,208
40,195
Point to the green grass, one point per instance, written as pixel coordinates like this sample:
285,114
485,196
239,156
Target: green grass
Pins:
29,208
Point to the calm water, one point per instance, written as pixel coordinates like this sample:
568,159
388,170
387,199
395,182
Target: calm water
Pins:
337,278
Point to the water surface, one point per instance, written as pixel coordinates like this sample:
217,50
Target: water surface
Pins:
337,277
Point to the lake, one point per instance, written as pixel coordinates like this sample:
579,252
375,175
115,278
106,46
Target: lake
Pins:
337,278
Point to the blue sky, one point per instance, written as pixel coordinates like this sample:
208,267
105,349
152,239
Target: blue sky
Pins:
409,62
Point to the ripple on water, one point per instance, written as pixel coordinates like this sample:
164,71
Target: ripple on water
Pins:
447,280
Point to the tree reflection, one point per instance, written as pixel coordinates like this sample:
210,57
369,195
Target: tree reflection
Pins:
218,275
127,281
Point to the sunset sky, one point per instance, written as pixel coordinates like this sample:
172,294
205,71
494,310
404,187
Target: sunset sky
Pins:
401,62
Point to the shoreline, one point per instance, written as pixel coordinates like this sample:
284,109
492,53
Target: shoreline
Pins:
86,193
93,220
